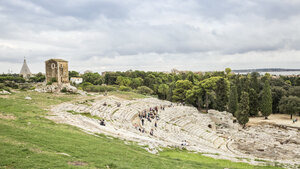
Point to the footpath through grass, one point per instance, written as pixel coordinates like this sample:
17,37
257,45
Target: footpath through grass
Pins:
31,141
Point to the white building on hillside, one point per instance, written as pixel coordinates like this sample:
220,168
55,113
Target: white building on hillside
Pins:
76,80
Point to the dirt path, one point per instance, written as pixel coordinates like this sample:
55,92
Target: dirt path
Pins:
279,119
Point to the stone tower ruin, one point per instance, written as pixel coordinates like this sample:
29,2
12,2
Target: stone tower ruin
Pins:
57,71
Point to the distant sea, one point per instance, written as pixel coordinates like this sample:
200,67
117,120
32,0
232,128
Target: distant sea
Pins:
284,73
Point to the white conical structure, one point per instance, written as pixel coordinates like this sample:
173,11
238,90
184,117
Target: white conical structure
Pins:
25,72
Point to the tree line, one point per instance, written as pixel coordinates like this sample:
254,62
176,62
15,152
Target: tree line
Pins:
243,95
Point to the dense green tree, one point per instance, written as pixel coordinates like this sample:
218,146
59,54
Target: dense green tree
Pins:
123,81
195,96
294,91
254,82
209,86
94,78
150,80
179,93
163,90
266,106
245,83
277,94
242,113
228,72
190,77
239,85
73,74
221,94
290,105
233,99
136,82
253,103
110,78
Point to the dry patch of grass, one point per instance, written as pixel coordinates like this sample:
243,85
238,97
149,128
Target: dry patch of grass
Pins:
77,163
7,116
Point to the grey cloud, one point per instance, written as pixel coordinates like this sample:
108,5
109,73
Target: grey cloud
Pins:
118,34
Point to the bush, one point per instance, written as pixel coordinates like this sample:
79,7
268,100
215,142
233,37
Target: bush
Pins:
25,87
110,88
2,86
85,84
53,80
125,89
98,88
16,79
49,83
144,90
64,90
11,84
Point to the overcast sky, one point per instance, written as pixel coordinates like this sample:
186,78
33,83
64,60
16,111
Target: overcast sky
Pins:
109,35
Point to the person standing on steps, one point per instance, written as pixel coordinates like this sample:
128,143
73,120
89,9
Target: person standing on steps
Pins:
151,132
142,121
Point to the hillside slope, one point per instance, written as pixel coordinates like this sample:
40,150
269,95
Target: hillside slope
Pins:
29,140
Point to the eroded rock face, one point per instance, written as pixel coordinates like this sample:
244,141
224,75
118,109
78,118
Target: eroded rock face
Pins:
56,88
69,88
223,120
268,141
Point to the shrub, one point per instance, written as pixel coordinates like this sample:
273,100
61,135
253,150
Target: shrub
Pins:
49,83
98,88
25,87
144,90
125,89
85,84
53,79
2,86
16,79
64,90
11,84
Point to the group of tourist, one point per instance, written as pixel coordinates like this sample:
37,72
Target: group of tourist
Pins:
150,115
102,123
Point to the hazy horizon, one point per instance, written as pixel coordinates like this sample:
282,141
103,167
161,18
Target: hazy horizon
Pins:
150,35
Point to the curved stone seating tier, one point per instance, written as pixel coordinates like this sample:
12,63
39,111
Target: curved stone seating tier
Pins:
176,123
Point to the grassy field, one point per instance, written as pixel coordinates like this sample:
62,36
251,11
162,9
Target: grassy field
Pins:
28,140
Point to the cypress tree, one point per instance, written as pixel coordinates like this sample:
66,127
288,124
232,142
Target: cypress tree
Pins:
266,107
253,102
242,113
233,99
221,94
254,83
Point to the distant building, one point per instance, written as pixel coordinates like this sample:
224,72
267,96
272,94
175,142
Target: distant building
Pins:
76,80
25,72
57,71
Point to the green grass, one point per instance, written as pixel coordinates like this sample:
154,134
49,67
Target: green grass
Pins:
86,114
32,141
